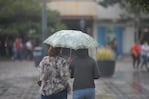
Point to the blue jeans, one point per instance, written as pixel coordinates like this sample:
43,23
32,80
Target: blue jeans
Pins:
145,60
60,95
88,93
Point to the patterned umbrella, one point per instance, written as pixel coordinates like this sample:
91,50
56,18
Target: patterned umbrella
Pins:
71,39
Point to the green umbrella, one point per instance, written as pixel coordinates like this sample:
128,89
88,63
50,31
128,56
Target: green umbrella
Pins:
72,39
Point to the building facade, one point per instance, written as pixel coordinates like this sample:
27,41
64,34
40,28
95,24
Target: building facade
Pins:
111,26
104,24
112,23
76,14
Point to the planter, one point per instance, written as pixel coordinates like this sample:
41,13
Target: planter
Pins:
106,67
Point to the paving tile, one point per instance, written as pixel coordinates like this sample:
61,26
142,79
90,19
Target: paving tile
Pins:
18,81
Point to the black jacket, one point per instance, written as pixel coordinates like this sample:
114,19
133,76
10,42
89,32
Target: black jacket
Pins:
84,70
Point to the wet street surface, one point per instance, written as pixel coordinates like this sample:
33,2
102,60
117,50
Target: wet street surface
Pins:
18,81
134,87
126,83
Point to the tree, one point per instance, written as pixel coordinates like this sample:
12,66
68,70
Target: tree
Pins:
134,5
23,17
133,8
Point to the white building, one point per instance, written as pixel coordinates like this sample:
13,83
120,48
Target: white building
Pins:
104,24
114,22
110,25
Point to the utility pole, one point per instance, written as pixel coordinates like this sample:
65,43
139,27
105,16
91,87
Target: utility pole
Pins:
44,26
82,25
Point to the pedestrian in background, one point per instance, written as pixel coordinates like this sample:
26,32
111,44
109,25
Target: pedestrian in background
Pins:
54,75
29,50
84,70
114,46
17,49
135,53
144,53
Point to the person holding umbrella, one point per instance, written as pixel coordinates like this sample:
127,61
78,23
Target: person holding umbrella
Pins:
84,71
54,75
83,68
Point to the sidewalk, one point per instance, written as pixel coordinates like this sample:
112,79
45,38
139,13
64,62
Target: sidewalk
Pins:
18,81
126,83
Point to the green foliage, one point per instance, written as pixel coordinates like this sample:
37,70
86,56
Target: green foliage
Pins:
131,5
106,3
18,17
142,5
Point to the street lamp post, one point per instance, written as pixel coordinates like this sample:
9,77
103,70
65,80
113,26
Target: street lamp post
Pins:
44,26
82,25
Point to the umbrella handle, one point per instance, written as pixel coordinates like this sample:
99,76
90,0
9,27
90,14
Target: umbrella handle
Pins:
70,52
69,60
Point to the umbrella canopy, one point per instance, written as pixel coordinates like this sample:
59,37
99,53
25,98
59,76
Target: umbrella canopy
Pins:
71,39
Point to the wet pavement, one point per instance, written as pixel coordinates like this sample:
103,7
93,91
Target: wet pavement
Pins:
126,83
18,81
